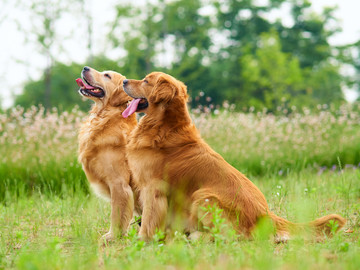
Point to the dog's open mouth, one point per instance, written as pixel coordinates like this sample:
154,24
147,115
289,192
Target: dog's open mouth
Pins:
136,105
88,90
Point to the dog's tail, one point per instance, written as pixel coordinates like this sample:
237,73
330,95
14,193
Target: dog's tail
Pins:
327,224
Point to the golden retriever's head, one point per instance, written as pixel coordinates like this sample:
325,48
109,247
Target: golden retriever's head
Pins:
105,88
156,89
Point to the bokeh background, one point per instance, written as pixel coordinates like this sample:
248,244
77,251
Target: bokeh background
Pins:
253,54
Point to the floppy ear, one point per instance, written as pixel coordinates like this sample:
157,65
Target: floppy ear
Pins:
163,92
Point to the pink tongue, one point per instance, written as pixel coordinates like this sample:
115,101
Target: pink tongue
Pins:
131,108
82,85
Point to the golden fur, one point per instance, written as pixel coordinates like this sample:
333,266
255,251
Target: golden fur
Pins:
178,174
102,141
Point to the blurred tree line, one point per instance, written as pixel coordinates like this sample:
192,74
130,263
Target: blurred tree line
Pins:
223,50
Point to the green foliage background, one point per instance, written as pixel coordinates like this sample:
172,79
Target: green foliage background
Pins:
223,50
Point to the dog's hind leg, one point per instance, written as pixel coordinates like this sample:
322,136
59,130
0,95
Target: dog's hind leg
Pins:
201,216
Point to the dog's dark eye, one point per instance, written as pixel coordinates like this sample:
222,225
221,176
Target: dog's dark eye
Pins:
107,75
145,81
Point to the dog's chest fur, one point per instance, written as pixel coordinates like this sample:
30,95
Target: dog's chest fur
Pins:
95,134
100,134
146,164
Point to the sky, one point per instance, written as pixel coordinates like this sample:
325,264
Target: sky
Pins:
21,60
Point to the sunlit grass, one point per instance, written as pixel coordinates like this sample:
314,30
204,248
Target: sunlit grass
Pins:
47,232
49,220
260,143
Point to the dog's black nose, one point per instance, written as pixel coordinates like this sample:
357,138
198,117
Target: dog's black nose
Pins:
125,82
86,69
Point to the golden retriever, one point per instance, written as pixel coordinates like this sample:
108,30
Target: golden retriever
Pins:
102,140
178,174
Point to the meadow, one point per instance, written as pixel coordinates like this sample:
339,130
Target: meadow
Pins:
305,162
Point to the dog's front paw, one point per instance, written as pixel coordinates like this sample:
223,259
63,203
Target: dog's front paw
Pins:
196,236
281,237
108,237
144,237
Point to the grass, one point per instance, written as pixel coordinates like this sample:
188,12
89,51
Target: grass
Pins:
306,165
259,144
44,231
39,150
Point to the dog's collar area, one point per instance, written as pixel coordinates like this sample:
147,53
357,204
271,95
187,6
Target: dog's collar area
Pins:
143,104
123,105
